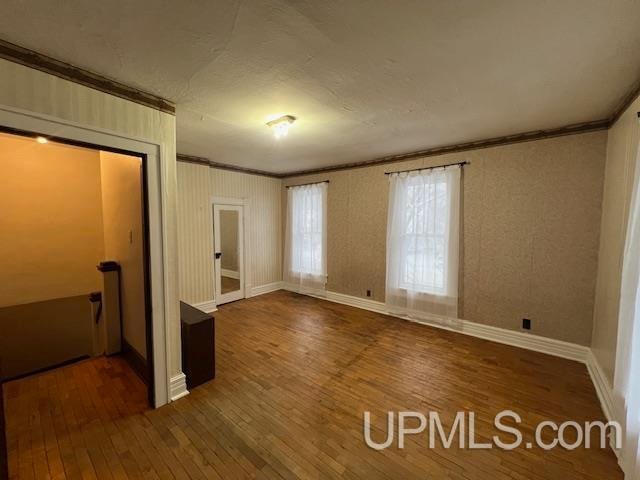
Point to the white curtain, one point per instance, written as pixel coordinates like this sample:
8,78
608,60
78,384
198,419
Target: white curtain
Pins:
423,243
305,262
627,372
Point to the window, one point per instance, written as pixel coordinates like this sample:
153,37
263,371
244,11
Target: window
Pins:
424,237
306,238
422,242
307,230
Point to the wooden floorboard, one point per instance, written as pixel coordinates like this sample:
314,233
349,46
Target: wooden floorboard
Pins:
294,375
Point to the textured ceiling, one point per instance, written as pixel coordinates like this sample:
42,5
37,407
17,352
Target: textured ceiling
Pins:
366,79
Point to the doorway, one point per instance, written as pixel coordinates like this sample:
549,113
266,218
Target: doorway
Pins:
228,235
72,209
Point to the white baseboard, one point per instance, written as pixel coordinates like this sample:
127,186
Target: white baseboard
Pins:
230,273
207,307
528,341
604,390
602,386
178,387
268,288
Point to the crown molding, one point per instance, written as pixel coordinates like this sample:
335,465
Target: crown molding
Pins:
224,166
624,104
463,147
38,61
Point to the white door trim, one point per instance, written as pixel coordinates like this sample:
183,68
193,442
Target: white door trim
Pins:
157,216
238,205
248,247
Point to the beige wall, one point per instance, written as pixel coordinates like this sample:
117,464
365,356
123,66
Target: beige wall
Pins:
531,221
51,221
229,239
196,185
123,239
30,90
622,148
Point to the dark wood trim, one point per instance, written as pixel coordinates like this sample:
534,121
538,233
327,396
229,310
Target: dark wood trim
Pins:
148,309
136,361
624,104
192,159
223,166
463,147
66,141
38,61
4,453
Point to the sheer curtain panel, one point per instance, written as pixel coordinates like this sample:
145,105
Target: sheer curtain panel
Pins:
423,243
305,261
627,371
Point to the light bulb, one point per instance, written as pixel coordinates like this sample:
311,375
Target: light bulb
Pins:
280,126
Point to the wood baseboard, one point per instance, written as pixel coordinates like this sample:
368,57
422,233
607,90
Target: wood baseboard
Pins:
4,461
136,361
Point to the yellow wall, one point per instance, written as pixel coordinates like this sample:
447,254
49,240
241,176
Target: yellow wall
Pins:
531,220
622,148
124,237
263,257
51,221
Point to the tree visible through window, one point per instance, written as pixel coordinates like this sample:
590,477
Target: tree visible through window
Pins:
423,242
424,237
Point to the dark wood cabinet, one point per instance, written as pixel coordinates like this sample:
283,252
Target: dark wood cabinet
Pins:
198,345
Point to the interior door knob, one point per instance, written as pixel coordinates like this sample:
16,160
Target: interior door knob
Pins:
218,255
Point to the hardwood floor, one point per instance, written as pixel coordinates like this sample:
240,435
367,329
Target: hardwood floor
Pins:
294,376
74,421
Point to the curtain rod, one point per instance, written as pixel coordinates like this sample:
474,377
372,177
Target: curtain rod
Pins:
306,184
428,168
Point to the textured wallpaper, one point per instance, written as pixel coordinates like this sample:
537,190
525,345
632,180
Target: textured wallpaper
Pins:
530,232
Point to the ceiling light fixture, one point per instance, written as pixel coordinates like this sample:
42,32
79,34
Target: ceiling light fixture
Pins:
281,125
41,140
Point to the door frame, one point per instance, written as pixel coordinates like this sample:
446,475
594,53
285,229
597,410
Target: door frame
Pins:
159,259
246,252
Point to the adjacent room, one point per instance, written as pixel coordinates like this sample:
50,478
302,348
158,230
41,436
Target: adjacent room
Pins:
302,240
73,296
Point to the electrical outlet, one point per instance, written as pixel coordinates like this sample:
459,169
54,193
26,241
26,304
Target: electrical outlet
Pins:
526,324
368,293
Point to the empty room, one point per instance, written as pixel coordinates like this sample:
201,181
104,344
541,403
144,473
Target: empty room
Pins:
298,240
